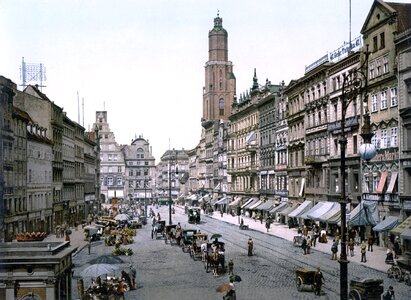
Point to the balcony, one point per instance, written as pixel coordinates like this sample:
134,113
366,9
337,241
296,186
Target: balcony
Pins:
251,148
316,159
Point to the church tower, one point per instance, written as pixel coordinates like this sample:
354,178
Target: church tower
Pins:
219,89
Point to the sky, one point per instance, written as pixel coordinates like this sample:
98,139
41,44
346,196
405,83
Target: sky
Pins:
143,61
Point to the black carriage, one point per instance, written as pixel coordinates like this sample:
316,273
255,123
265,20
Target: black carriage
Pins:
366,289
401,271
158,229
187,239
305,278
194,215
170,233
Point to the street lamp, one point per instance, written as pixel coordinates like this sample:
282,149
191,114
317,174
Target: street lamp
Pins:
355,84
146,181
169,187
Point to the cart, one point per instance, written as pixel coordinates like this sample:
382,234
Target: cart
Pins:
194,215
305,279
195,248
187,239
158,229
170,233
401,271
366,289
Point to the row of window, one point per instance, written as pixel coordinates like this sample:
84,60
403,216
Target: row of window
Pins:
385,97
109,181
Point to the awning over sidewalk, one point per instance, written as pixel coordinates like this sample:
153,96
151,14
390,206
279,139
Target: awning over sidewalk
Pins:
366,213
288,210
305,206
387,224
249,203
406,234
311,210
267,205
280,207
332,216
192,197
235,202
402,227
253,206
326,207
222,201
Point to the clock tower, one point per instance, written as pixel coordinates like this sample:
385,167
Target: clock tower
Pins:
219,89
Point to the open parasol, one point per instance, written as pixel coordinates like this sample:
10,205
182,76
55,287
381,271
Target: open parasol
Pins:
216,236
226,287
98,269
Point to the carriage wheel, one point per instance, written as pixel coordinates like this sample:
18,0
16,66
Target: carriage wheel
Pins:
299,282
390,272
397,274
354,295
407,278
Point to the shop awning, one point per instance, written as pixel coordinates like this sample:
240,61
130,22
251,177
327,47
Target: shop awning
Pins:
311,210
253,206
387,224
402,227
381,184
222,201
267,205
326,207
288,210
250,202
392,182
279,207
366,213
235,202
406,234
192,197
305,206
332,216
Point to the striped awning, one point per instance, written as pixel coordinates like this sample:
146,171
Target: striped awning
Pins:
325,207
255,205
288,210
305,206
332,216
387,224
249,203
279,207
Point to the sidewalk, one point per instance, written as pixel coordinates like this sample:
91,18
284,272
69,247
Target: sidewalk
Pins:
77,239
375,259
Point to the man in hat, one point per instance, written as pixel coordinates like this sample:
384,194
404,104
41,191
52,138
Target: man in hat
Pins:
250,246
389,294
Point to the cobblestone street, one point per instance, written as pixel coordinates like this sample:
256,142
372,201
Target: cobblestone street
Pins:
165,271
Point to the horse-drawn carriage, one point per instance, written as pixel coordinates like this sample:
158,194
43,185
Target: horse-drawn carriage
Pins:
158,229
366,289
170,233
214,257
196,247
187,239
401,271
194,215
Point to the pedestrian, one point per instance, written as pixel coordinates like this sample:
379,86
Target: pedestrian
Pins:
133,277
351,246
334,250
305,230
309,244
267,224
370,242
230,267
230,295
304,244
222,213
388,294
363,249
250,244
397,248
89,245
299,231
121,289
318,281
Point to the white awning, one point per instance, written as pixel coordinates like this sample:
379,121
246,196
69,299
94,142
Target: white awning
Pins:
306,205
255,204
392,182
235,202
222,201
247,202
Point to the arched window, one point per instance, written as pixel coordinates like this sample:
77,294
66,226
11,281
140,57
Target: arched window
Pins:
221,107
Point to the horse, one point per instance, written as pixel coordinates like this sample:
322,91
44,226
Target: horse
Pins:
214,263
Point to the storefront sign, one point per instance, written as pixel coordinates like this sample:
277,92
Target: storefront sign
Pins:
343,51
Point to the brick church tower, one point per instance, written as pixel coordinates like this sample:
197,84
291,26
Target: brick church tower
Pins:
219,89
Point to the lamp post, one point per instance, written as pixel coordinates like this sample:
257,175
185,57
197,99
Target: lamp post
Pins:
355,84
169,188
